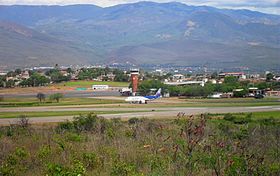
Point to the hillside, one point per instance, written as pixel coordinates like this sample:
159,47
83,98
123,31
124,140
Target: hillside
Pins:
24,47
151,33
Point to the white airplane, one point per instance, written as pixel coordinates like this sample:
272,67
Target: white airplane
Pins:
143,99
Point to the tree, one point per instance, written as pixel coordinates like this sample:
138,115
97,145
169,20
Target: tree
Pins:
120,76
69,70
241,93
269,76
10,83
11,74
146,86
231,80
214,75
18,71
41,96
35,80
2,81
56,96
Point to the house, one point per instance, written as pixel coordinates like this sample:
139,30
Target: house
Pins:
25,75
3,73
178,77
239,75
273,93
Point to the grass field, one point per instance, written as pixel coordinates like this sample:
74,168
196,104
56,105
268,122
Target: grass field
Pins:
90,83
232,102
58,113
28,102
255,115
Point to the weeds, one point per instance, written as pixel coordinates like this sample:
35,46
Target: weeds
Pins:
188,145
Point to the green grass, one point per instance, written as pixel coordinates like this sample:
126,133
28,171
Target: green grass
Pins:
204,104
90,83
261,115
234,102
255,115
29,102
58,113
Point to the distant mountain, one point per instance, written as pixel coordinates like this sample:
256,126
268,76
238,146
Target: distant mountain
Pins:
148,33
24,47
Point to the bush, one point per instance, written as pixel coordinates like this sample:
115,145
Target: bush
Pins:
91,160
56,97
122,168
229,117
44,152
85,123
133,120
269,121
41,97
23,121
73,137
54,169
65,126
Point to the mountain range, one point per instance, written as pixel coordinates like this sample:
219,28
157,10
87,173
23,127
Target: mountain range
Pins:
138,33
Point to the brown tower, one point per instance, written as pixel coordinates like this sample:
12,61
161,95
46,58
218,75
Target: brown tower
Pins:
134,79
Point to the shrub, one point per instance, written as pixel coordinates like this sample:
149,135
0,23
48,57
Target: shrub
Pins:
77,169
74,137
242,133
13,163
41,97
44,152
10,131
133,120
91,160
65,126
85,123
21,152
23,121
56,97
269,121
54,169
123,168
229,117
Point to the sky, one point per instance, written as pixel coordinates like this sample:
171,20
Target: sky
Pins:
266,6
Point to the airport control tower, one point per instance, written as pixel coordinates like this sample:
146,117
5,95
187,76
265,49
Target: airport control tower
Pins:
134,73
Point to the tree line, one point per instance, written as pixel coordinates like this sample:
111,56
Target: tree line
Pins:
55,76
230,83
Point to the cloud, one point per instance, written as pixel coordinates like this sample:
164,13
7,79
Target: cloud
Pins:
268,6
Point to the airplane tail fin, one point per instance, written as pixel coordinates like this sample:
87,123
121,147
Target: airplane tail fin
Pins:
158,94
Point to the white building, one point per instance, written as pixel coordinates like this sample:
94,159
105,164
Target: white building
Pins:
100,87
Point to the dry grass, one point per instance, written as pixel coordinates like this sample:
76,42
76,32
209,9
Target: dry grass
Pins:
183,146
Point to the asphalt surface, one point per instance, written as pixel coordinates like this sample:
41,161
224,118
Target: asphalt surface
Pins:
150,112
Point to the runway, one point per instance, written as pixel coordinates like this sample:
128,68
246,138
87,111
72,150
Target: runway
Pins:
130,112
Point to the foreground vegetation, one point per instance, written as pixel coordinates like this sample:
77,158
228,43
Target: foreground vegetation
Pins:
184,146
